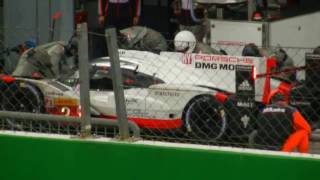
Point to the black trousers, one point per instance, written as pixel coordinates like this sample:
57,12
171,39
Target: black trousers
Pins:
119,16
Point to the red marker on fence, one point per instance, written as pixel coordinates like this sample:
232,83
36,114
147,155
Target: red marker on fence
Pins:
55,17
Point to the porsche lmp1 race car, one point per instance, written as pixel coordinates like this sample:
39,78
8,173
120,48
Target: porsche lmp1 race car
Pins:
193,92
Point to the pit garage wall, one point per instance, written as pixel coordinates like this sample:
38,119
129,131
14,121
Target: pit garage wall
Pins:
52,159
32,19
299,31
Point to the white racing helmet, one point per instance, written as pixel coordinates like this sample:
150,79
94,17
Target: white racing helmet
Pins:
185,42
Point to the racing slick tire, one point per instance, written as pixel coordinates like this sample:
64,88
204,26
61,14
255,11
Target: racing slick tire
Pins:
241,122
22,97
205,119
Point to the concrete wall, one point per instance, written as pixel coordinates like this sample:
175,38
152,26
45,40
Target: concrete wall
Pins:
52,159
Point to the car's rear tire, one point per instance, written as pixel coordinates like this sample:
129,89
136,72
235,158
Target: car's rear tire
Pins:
22,97
204,119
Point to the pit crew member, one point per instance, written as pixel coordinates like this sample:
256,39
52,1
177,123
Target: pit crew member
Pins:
186,42
142,38
282,127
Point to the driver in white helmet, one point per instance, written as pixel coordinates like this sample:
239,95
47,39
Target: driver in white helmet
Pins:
186,42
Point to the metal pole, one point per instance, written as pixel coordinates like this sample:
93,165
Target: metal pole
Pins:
266,34
55,118
251,8
50,20
111,38
84,81
37,22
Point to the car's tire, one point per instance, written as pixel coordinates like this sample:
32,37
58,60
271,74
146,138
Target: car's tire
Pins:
23,97
204,119
241,122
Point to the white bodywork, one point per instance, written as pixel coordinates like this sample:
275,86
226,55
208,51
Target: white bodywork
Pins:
183,80
185,76
213,71
162,101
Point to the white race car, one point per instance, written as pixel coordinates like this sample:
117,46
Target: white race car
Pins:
164,92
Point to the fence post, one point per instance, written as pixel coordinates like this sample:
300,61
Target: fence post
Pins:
251,8
84,81
266,34
111,38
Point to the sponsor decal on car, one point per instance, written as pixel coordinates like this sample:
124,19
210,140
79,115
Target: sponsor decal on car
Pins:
246,104
167,93
139,113
131,101
214,66
223,59
272,109
245,120
49,102
245,86
65,102
187,58
121,52
205,61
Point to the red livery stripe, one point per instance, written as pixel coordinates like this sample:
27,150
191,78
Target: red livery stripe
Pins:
151,123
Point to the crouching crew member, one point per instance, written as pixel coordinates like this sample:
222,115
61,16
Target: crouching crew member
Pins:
282,127
142,38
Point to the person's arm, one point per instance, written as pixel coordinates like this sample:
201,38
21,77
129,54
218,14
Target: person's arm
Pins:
176,5
101,11
137,11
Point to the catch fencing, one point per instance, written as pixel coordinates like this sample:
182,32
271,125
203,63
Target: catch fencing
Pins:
44,87
213,99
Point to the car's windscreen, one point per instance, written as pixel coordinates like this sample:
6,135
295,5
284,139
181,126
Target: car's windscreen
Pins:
101,79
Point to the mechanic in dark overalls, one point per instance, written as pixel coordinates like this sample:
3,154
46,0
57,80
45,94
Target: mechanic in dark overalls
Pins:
281,59
316,50
190,17
119,13
282,127
142,38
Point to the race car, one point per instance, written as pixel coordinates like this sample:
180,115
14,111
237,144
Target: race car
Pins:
195,93
165,91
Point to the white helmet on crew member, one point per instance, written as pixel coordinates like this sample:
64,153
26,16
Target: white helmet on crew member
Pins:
185,41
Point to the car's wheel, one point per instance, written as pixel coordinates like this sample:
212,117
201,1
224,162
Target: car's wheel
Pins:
22,97
241,121
205,119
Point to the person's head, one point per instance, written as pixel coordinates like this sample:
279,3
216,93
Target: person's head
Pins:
317,50
185,42
281,56
251,50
